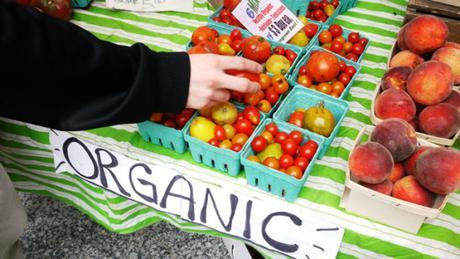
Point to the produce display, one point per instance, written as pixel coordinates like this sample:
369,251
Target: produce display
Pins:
316,119
224,126
326,73
322,10
392,164
418,87
351,47
176,121
283,151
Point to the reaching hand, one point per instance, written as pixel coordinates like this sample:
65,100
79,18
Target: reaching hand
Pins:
209,84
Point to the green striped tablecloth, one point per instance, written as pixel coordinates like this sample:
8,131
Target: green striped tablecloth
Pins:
26,154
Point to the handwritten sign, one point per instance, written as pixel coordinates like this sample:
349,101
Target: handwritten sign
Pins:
268,18
151,5
269,224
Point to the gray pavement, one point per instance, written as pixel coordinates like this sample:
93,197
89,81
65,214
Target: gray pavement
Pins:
56,230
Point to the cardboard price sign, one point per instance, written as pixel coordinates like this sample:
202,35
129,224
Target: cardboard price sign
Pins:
268,18
294,232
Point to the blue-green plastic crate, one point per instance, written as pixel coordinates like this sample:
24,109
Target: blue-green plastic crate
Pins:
298,7
345,34
302,97
346,5
80,3
164,136
293,76
274,181
224,160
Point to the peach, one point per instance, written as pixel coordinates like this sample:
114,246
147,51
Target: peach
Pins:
454,99
451,44
397,136
406,58
451,57
409,164
370,163
430,83
384,187
397,172
396,77
438,170
400,39
394,103
408,189
424,34
441,120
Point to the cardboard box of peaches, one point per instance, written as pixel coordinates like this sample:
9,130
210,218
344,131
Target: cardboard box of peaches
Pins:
403,173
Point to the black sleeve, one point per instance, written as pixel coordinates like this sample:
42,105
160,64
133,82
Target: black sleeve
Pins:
55,74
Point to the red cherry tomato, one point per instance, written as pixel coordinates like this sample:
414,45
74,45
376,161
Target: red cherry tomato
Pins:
296,135
310,30
271,95
281,137
357,49
350,70
214,142
307,152
279,50
252,114
363,41
286,161
312,144
344,78
290,55
259,143
294,171
236,35
342,66
352,57
336,47
272,128
303,70
244,126
219,132
302,163
169,123
237,45
289,146
237,147
296,118
325,37
336,30
353,37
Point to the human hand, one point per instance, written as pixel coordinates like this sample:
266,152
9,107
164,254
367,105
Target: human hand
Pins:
209,84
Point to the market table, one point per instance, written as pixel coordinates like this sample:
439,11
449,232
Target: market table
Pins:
26,152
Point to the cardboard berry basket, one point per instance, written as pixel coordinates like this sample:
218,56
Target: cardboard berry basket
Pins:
164,136
437,140
345,34
295,73
302,97
386,209
225,160
271,180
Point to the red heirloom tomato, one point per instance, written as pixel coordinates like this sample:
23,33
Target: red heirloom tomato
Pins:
322,66
256,48
259,143
204,33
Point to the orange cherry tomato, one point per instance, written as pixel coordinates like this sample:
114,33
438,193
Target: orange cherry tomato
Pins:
239,138
264,106
254,159
268,136
272,163
347,46
156,116
337,87
325,37
294,171
280,84
229,131
339,39
264,81
224,39
225,144
325,87
304,80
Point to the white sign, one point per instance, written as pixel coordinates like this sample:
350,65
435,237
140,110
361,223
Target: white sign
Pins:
269,224
151,5
268,18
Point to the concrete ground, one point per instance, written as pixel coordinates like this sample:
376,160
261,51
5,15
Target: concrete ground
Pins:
56,230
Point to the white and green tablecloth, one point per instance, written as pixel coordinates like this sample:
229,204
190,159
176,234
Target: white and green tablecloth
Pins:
26,153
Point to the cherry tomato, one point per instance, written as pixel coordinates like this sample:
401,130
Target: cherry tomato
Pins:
294,171
271,95
337,87
303,70
302,163
280,84
344,78
314,5
204,33
239,138
264,81
312,144
350,70
169,123
156,117
236,45
254,159
327,46
310,30
219,133
335,3
307,152
336,46
347,46
324,87
267,136
281,137
296,135
204,47
259,143
237,147
296,118
304,80
339,39
363,41
217,19
225,144
224,39
225,13
290,55
323,3
279,50
325,37
357,49
253,98
244,126
272,163
286,161
290,147
272,128
353,37
236,35
264,106
252,114
342,66
256,48
240,116
336,30
214,142
352,57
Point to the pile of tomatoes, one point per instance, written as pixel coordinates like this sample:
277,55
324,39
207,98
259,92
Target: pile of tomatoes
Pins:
351,48
271,88
324,72
226,16
208,40
283,151
172,120
321,11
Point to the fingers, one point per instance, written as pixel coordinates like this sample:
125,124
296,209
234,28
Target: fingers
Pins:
239,84
239,63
